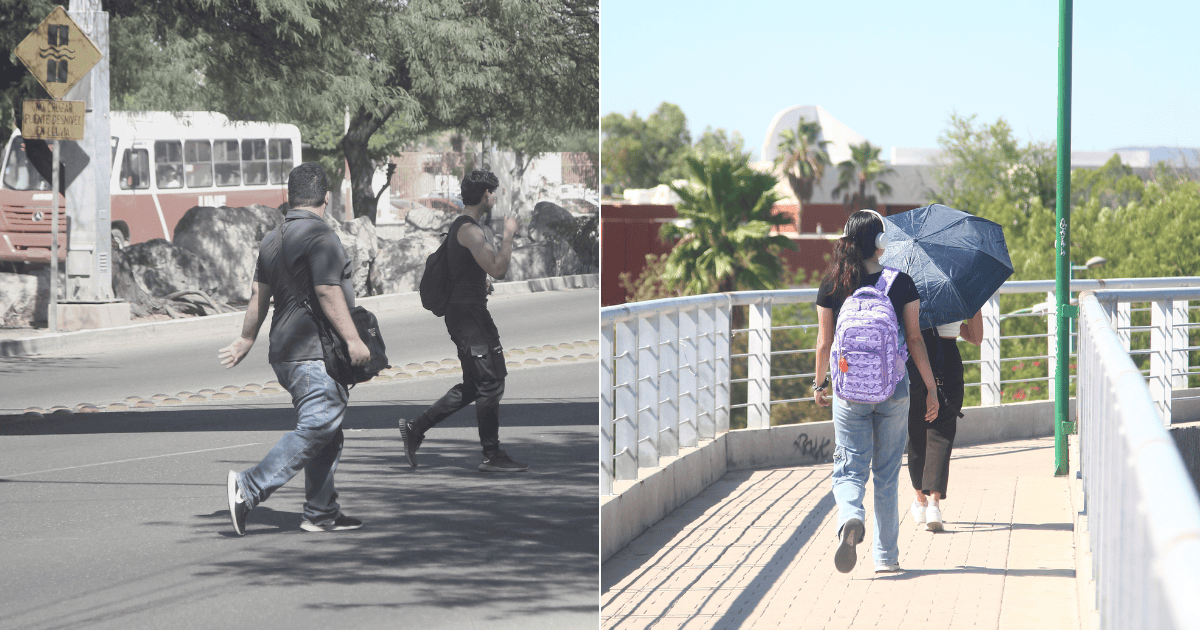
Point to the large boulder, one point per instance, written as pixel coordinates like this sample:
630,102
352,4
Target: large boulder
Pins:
361,244
551,222
227,240
399,264
20,305
145,273
430,220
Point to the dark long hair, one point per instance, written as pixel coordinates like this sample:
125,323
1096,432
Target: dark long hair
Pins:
847,268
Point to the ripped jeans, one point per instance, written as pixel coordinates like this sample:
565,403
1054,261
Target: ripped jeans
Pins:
870,438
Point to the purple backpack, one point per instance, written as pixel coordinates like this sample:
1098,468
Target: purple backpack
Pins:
868,351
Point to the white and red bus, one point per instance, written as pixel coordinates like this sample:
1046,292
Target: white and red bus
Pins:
165,163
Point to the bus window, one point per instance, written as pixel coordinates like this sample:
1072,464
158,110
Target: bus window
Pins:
225,161
280,160
113,160
135,169
19,173
198,170
168,163
254,162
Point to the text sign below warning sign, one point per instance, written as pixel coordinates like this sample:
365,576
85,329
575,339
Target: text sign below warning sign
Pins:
52,120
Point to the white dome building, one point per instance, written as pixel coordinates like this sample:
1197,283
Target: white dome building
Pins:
840,136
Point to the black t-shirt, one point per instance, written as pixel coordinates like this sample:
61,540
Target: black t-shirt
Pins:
903,291
315,256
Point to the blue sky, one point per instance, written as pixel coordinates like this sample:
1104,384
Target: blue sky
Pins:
894,71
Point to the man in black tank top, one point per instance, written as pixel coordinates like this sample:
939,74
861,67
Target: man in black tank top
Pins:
472,259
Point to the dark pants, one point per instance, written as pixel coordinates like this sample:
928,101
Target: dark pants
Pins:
929,443
482,358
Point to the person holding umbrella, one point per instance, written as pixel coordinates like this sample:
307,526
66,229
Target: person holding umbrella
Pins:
930,441
870,386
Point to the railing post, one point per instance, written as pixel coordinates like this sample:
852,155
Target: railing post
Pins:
1161,353
758,367
722,366
989,354
625,399
706,375
1124,309
687,378
647,391
668,377
606,409
1179,344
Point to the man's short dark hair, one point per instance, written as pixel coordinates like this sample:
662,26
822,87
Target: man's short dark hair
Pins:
307,185
475,184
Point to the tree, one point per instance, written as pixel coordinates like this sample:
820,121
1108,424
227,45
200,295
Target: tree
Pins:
863,169
725,220
639,153
802,158
519,73
984,163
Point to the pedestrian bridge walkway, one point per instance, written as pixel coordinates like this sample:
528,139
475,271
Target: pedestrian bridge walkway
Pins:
703,527
755,550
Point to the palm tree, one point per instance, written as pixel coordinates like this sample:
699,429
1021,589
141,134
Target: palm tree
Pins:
802,158
724,228
862,169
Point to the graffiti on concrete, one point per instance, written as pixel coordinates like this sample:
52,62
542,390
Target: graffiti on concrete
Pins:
809,447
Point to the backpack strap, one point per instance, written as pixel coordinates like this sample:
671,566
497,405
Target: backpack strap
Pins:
452,233
886,279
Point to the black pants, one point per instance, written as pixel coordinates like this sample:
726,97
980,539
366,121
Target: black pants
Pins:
929,443
482,358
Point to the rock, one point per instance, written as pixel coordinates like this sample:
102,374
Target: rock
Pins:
535,260
19,303
361,245
399,264
430,220
551,222
145,273
227,240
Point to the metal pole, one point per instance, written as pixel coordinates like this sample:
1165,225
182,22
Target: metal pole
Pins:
1062,210
52,314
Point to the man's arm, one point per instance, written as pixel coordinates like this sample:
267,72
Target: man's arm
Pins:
256,314
333,304
972,329
493,262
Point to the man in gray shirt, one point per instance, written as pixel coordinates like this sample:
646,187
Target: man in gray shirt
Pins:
309,251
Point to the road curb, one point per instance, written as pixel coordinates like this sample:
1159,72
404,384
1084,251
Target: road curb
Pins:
232,322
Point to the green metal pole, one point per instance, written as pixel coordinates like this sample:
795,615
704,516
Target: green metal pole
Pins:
1062,270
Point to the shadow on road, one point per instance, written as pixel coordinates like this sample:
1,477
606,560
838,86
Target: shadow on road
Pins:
283,418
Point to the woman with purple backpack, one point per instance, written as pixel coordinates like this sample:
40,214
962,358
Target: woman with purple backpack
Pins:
868,321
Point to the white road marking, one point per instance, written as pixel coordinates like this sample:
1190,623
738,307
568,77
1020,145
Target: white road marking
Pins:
122,461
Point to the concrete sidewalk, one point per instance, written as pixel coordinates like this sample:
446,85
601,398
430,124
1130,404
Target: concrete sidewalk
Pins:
755,550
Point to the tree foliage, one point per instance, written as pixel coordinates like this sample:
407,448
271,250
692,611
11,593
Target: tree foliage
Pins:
857,175
986,163
723,231
521,74
637,153
802,159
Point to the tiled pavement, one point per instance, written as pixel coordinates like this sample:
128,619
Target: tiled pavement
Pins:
755,550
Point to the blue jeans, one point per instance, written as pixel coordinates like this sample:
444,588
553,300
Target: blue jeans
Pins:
870,438
314,447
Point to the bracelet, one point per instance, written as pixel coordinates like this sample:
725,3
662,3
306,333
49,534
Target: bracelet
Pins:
820,387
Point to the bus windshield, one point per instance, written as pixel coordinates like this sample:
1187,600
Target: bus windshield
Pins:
19,173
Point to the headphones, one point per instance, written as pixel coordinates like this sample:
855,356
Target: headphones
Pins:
881,239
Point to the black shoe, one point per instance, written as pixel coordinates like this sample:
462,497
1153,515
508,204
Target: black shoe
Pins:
499,462
411,439
852,534
339,524
237,505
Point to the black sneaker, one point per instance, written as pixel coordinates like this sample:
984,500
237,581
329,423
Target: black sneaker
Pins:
339,524
411,439
852,534
237,505
499,462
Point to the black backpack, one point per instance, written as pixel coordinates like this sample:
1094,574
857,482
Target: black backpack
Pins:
436,279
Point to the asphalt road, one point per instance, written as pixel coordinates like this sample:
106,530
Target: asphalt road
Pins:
103,374
119,519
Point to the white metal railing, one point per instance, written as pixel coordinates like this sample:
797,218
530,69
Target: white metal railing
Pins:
666,364
1143,510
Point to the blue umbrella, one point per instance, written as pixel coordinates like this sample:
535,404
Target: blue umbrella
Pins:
957,260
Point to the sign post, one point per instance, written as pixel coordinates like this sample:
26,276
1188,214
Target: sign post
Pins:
59,54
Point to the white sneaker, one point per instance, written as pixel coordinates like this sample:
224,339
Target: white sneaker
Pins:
933,518
918,512
887,568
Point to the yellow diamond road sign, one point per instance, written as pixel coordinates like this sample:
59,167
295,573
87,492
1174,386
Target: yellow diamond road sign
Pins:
58,53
